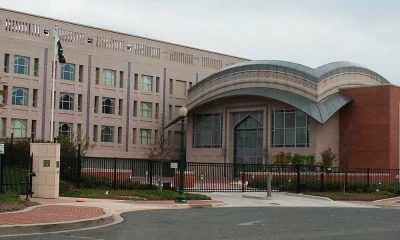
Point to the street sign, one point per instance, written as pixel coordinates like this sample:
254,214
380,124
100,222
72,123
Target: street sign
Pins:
1,148
398,176
174,165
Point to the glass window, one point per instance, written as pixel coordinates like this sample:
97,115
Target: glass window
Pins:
248,141
108,105
146,110
107,134
65,129
18,128
20,97
108,77
146,83
207,131
21,65
290,128
68,72
145,135
66,101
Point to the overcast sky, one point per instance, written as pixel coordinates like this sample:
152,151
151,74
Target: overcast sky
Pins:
310,32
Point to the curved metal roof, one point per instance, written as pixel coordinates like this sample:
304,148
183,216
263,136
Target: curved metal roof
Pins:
320,111
316,75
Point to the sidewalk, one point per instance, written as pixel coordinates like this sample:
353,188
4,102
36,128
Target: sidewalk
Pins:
65,214
384,203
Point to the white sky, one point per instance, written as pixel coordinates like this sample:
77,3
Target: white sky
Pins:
309,32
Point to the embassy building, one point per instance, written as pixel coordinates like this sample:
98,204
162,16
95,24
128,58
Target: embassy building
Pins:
116,88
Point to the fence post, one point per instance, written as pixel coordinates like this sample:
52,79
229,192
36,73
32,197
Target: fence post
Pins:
269,187
367,177
243,176
1,173
115,174
298,178
11,143
322,188
79,167
151,173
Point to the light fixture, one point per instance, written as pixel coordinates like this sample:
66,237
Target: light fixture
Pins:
129,47
90,40
183,111
46,32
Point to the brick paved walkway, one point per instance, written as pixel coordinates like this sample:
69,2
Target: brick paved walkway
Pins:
51,214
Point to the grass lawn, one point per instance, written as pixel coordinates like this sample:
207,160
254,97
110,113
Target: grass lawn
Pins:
340,196
13,202
131,194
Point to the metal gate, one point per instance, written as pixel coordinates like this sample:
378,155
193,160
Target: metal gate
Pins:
14,174
16,166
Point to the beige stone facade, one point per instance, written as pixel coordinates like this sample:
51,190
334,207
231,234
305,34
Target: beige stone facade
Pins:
115,88
92,52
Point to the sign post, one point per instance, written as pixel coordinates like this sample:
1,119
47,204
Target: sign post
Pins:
1,166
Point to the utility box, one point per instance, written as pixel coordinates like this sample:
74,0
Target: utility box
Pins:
46,166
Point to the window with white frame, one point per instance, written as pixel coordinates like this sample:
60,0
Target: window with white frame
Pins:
146,109
109,77
68,71
18,128
207,131
67,101
65,129
290,128
146,83
108,105
145,136
21,65
20,97
107,134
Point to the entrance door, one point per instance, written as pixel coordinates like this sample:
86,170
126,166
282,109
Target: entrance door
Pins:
248,141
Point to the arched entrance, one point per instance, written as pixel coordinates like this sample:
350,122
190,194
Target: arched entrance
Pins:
248,142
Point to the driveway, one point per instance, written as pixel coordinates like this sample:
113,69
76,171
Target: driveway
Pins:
279,199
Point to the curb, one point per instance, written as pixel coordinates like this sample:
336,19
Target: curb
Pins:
386,199
56,227
308,196
258,197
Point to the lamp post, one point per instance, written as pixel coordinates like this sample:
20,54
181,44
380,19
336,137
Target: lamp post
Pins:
181,198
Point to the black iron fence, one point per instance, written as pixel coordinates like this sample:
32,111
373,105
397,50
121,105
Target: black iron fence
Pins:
118,173
15,166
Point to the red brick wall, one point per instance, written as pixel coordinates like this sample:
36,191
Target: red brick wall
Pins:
374,113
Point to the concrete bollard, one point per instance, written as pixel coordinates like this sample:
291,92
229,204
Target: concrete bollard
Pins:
269,190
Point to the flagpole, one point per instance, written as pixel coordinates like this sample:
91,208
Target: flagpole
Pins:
52,91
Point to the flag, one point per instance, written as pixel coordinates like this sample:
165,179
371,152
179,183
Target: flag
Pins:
59,50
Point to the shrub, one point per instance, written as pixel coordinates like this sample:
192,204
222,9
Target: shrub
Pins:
297,159
327,157
282,158
309,160
90,181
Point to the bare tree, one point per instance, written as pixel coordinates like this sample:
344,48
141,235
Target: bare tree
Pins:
2,92
160,151
345,158
70,145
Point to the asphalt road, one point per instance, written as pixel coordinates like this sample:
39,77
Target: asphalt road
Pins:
246,224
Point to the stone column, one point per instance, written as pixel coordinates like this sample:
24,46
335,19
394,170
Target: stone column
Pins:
46,166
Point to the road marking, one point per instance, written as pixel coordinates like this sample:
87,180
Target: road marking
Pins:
89,238
248,223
